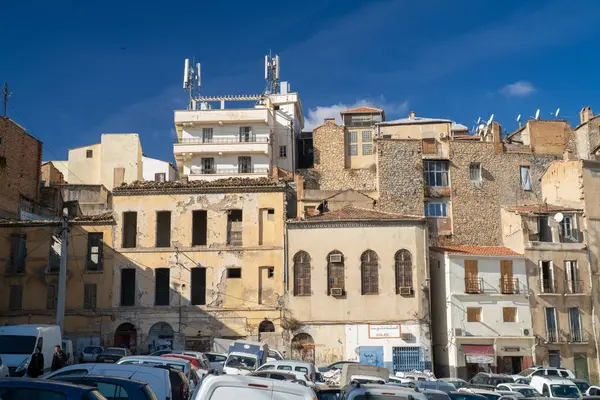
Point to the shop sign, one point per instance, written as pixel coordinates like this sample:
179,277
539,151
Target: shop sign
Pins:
384,331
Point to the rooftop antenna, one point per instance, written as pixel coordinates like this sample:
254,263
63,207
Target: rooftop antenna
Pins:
537,114
191,81
271,74
5,96
476,126
556,114
487,125
519,120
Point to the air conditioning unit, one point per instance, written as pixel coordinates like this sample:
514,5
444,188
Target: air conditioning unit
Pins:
335,258
458,332
443,135
526,332
337,292
405,290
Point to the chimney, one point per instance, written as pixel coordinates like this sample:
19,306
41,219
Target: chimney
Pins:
496,132
411,115
585,114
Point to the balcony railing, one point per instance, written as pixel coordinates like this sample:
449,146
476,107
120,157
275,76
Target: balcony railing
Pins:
473,285
234,238
230,171
575,336
574,287
509,285
242,139
552,336
549,286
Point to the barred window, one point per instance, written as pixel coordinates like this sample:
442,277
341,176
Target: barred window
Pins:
369,268
367,136
301,274
336,281
404,278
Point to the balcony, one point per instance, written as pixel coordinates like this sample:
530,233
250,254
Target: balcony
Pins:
575,336
216,145
211,174
474,285
509,286
549,286
552,336
251,116
574,287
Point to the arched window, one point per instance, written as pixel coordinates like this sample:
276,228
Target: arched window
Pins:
369,268
301,274
336,282
404,278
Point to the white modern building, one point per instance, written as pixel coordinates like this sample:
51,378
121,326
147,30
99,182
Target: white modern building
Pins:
158,170
214,143
480,311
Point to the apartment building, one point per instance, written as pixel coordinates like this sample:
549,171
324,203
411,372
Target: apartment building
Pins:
480,311
358,288
198,260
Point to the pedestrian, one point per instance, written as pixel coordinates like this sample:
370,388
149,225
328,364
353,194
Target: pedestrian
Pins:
36,365
59,360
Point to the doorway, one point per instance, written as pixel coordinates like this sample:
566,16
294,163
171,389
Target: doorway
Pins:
581,366
513,365
125,336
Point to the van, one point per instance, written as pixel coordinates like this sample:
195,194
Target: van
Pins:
363,373
261,350
304,367
18,343
555,387
249,387
157,378
238,363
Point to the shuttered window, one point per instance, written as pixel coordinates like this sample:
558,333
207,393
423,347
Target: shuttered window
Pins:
302,274
51,297
403,269
369,267
336,280
89,296
473,314
428,146
509,314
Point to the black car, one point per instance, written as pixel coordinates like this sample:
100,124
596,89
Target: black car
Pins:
25,388
112,387
112,355
465,396
484,380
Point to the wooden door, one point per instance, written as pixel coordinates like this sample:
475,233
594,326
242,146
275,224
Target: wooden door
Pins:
506,277
471,277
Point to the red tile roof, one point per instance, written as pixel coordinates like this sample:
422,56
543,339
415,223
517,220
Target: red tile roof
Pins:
350,213
362,109
493,251
540,209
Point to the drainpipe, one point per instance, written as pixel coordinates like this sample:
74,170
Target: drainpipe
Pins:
592,295
428,280
285,257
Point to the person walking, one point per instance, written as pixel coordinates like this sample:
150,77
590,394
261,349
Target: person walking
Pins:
59,360
36,365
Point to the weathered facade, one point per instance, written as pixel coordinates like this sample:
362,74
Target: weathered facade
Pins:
51,175
358,288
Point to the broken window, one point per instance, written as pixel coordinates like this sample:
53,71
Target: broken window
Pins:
234,227
282,151
15,301
89,296
369,268
336,280
571,275
568,229
129,229
244,165
163,229
51,297
403,269
198,286
234,273
55,249
128,287
352,139
301,274
475,172
162,287
18,252
119,176
160,177
270,272
199,227
436,173
547,277
94,258
545,233
526,177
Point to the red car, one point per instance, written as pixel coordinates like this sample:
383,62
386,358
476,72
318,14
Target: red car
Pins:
199,369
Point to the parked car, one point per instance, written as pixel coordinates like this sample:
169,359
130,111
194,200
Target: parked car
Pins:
112,355
250,387
26,388
175,364
240,363
465,396
555,387
204,361
489,394
400,381
90,354
484,380
157,378
526,390
433,394
581,384
303,367
510,395
193,360
335,366
436,385
3,370
113,387
274,355
298,375
327,393
217,361
18,343
277,375
592,391
545,371
457,382
161,352
376,392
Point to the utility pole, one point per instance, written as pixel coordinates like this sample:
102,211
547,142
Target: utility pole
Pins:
62,276
5,97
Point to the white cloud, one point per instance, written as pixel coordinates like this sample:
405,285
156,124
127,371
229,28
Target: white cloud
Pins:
317,115
518,89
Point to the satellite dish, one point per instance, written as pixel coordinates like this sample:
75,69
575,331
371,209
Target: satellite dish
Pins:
537,114
558,217
519,118
478,120
557,112
490,120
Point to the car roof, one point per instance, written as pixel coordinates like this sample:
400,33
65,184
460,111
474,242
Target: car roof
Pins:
275,371
578,380
517,385
106,378
295,362
214,381
215,353
478,390
451,379
433,391
467,393
554,379
155,358
42,383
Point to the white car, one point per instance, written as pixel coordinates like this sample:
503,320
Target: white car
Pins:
90,354
251,388
545,371
3,370
217,361
491,395
525,390
240,363
555,387
301,367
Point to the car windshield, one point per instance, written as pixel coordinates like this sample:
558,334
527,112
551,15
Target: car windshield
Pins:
529,392
17,344
565,391
274,355
502,379
458,384
115,351
583,386
464,396
527,372
491,396
241,362
436,396
92,350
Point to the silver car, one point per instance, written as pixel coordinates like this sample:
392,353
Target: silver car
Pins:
217,361
90,354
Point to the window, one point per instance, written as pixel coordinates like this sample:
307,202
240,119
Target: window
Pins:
551,325
94,257
89,296
472,281
436,173
568,229
433,209
51,297
118,176
199,228
234,273
573,284
369,268
160,177
207,135
526,178
244,165
129,229
163,229
353,150
473,314
547,277
55,249
198,286
352,138
89,153
404,274
367,149
15,301
282,151
336,281
367,136
208,165
270,214
475,172
428,146
128,287
301,274
234,227
111,391
509,314
18,252
245,133
575,331
545,232
271,272
162,288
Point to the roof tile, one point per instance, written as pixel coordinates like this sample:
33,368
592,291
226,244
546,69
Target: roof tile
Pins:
493,251
540,209
362,109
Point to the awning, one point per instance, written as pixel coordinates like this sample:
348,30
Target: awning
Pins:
479,353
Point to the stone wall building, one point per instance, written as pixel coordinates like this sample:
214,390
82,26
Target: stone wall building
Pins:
51,175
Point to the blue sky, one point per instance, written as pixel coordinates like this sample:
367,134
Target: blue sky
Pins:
77,69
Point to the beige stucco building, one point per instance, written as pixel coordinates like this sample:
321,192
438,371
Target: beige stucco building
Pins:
358,288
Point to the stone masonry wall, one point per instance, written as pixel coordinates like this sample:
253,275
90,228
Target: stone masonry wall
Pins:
330,171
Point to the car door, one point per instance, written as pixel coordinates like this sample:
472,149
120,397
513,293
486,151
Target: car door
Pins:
16,393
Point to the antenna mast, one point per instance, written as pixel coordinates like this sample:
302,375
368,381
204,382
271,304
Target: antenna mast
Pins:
191,82
271,74
5,97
